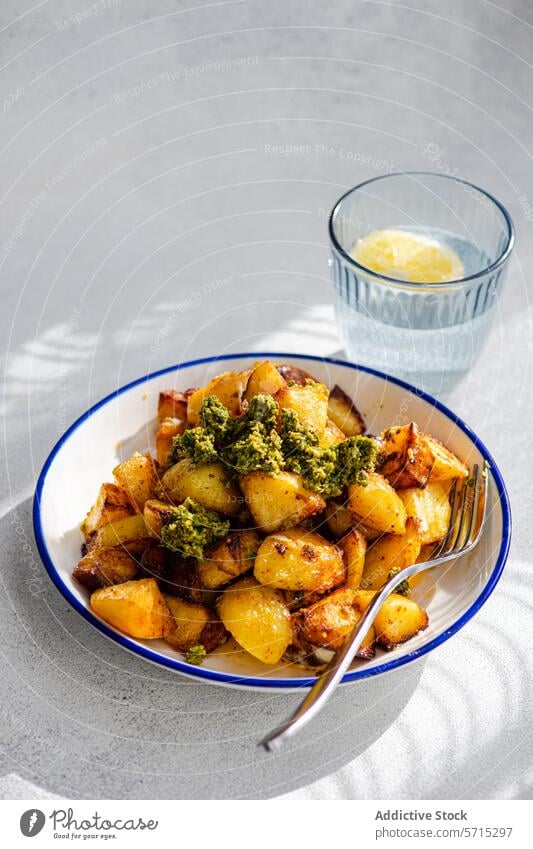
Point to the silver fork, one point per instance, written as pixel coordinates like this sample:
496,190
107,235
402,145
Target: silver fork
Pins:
466,523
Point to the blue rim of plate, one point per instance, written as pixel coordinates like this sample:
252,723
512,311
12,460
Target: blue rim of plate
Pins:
248,681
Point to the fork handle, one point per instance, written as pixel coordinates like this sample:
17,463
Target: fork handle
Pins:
327,682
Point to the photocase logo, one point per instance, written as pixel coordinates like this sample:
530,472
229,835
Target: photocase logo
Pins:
32,822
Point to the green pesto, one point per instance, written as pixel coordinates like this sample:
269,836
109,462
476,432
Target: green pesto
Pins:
198,444
191,528
257,448
403,587
195,654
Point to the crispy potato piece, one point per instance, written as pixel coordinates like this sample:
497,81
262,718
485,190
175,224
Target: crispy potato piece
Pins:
228,387
137,608
446,465
390,551
293,374
328,622
193,624
279,501
112,503
297,560
431,506
164,439
258,618
332,435
344,413
208,485
265,379
339,519
130,529
154,561
171,405
230,558
138,477
310,402
156,514
399,619
405,458
353,547
105,566
377,506
181,579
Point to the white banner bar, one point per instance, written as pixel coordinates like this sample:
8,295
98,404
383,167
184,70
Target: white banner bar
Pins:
272,824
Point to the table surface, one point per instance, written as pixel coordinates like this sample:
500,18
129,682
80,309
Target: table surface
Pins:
167,171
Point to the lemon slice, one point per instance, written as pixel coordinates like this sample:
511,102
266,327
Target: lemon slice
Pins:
408,256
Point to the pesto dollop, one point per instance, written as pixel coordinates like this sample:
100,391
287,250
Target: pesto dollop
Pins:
191,528
252,443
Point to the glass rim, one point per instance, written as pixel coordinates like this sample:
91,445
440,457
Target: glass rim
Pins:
503,257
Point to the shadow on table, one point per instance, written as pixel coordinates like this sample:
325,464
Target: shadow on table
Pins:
87,719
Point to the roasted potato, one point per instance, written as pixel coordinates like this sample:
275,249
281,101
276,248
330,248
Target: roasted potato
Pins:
298,560
208,485
228,387
344,413
172,405
156,514
431,506
125,532
405,458
279,501
332,435
338,518
377,505
391,551
446,466
293,374
164,439
327,624
102,567
138,477
154,560
310,402
192,624
399,619
135,607
265,379
112,503
353,546
257,617
230,558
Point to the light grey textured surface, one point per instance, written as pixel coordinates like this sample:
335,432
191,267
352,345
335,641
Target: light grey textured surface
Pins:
167,169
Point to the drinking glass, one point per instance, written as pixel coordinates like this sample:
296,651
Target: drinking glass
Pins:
429,334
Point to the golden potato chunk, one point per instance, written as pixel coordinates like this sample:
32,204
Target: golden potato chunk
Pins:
279,501
265,379
207,484
332,435
192,624
171,405
164,439
156,514
297,560
102,567
310,403
124,531
257,617
446,466
353,546
328,622
405,457
228,387
138,477
112,503
390,551
339,519
137,608
293,374
377,505
230,558
399,619
431,506
344,413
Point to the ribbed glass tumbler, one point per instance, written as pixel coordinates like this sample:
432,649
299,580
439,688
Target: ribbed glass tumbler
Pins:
429,334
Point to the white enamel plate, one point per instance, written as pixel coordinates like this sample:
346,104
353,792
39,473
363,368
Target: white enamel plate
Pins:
125,421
